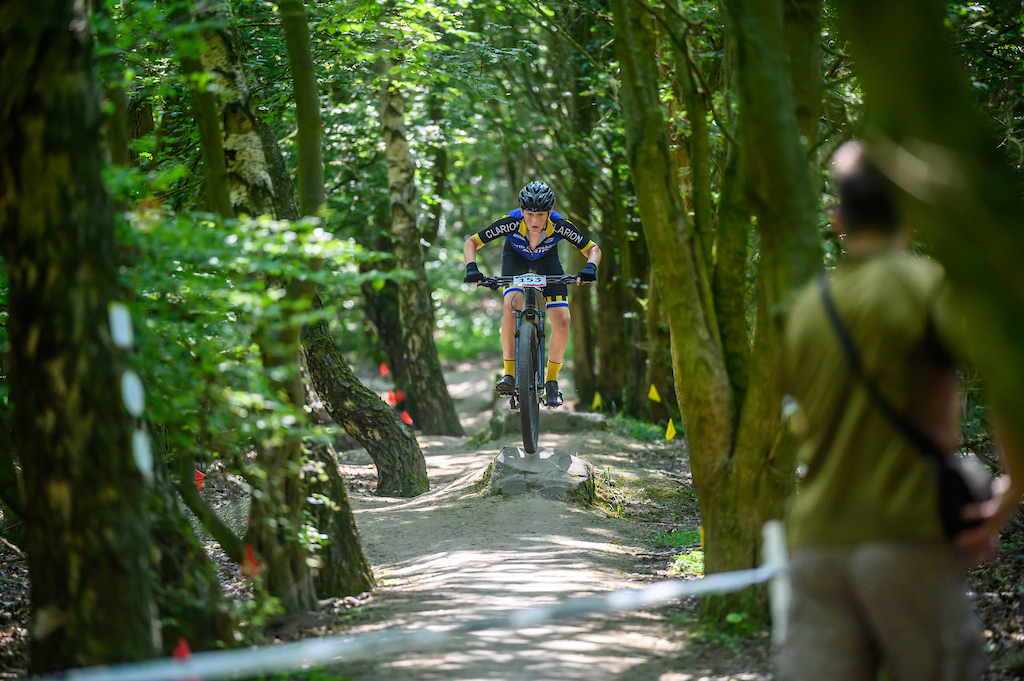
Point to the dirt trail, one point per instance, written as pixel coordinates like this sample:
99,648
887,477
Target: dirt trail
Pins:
455,554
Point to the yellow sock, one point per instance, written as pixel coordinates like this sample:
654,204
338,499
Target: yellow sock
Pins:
510,367
553,367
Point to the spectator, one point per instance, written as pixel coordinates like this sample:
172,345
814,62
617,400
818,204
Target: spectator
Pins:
876,583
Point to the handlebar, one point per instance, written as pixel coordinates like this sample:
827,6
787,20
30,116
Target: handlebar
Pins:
494,282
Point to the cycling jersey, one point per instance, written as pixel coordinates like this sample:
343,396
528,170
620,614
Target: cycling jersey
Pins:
513,228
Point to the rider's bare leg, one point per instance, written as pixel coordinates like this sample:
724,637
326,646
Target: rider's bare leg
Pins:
559,317
513,302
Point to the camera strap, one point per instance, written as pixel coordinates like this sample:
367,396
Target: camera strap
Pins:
922,442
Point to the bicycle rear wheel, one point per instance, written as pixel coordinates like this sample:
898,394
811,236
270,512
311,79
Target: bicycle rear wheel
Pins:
526,382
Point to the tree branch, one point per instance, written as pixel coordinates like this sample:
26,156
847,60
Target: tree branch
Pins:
224,535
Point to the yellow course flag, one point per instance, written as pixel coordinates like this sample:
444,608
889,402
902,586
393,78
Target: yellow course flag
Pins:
671,432
597,401
653,394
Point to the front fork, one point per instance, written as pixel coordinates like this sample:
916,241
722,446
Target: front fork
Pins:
536,316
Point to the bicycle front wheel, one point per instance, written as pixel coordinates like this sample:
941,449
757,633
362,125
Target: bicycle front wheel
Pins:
527,359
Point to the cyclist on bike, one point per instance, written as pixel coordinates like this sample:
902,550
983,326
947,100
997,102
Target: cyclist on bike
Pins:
532,233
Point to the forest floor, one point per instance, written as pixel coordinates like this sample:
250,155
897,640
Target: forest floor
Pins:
455,555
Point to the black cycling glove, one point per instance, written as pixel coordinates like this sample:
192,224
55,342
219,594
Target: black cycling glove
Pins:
588,273
472,273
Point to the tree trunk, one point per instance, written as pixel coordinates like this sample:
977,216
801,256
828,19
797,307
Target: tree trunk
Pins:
581,330
658,372
187,591
88,538
802,35
778,182
401,468
430,405
622,332
204,105
344,570
307,107
734,468
580,202
276,516
967,202
252,191
439,155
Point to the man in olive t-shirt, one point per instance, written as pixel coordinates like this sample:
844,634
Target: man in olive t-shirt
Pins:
875,582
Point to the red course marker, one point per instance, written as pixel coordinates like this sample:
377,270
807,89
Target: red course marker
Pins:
199,481
250,566
383,369
182,651
406,417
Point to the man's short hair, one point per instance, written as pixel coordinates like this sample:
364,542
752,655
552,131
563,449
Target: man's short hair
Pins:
866,196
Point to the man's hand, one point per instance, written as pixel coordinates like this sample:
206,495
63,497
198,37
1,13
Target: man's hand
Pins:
473,275
979,542
587,274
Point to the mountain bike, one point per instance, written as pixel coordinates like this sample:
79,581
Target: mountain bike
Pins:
529,390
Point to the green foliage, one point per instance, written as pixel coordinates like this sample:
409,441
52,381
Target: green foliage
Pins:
202,298
637,429
677,538
690,563
989,37
975,422
253,614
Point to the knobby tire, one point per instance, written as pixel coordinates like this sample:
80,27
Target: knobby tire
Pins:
526,382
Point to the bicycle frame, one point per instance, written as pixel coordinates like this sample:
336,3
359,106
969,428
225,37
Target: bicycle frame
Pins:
529,389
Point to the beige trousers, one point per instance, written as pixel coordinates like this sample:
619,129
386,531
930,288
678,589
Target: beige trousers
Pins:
902,607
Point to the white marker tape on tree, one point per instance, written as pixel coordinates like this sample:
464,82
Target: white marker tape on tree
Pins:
142,453
120,325
132,393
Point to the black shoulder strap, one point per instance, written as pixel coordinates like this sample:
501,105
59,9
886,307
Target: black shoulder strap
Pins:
921,441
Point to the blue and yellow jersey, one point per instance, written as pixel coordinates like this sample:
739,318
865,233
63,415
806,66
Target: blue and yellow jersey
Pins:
513,228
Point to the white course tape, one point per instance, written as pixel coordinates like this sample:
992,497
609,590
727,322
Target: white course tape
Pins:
247,663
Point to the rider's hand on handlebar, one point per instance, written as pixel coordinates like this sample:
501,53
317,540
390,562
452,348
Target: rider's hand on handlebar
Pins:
473,275
588,273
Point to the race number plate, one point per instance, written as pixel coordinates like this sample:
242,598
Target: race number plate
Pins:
535,280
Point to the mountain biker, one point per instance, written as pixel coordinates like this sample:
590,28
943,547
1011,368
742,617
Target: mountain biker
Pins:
532,233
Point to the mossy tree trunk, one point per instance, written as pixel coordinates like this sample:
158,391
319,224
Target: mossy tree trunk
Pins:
276,516
187,588
401,468
741,478
429,403
579,202
87,530
967,204
344,569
